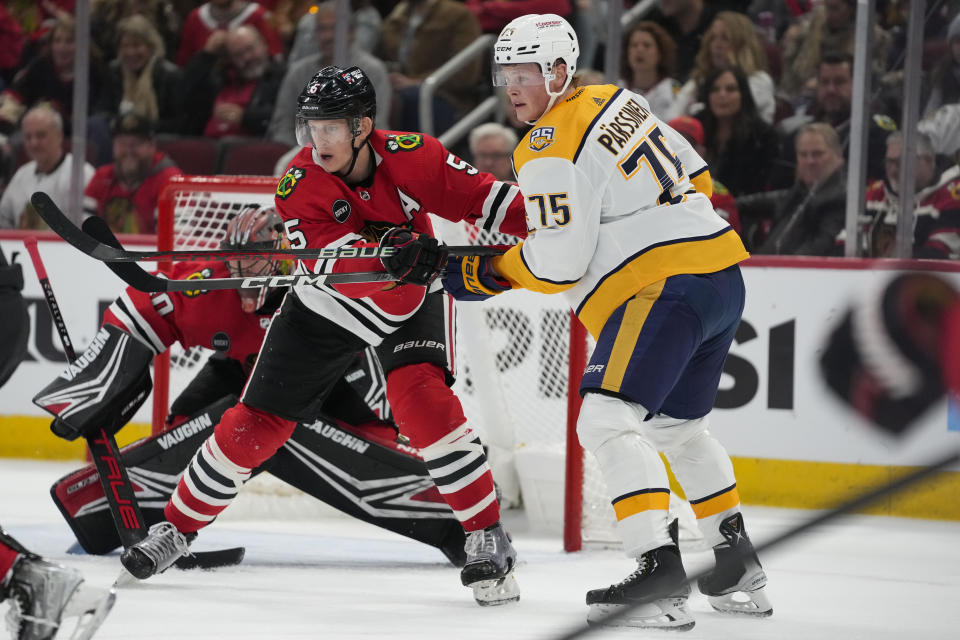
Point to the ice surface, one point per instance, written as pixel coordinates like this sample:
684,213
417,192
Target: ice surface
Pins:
866,577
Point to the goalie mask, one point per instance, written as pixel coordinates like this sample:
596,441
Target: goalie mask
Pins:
258,229
540,39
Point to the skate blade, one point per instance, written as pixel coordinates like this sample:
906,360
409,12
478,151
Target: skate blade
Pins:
90,608
669,614
492,593
744,603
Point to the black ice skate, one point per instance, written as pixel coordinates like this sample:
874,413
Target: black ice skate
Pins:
657,592
491,559
154,554
42,593
736,584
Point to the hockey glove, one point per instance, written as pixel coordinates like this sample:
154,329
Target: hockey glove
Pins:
472,278
418,258
886,359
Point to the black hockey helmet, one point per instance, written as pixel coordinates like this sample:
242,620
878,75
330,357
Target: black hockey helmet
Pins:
334,93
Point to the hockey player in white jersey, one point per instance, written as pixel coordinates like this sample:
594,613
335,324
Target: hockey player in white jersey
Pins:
620,223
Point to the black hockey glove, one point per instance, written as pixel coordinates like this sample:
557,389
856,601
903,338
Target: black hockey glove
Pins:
886,357
418,258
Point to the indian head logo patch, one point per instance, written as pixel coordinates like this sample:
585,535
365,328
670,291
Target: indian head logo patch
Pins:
541,138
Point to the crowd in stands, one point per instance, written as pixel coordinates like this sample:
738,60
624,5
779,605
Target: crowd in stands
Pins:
763,88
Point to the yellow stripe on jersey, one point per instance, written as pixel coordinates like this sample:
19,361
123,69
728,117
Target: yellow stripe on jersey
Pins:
560,132
647,500
703,183
717,503
684,256
634,316
512,267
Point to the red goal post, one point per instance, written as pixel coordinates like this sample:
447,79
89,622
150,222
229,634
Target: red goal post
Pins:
520,363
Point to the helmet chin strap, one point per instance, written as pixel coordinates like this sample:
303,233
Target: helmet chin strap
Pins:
547,77
353,160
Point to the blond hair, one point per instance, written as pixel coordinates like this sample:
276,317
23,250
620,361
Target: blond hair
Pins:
746,51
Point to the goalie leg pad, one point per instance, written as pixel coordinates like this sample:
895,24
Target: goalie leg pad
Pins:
244,439
634,474
429,413
102,388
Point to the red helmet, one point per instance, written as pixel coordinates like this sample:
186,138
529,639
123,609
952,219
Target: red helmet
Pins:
255,228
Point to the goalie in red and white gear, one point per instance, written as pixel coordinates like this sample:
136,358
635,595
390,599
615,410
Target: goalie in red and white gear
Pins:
354,185
139,325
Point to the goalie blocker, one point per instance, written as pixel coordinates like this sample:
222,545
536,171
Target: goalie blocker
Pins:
102,389
360,471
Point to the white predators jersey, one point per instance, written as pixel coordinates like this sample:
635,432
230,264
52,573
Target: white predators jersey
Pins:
610,205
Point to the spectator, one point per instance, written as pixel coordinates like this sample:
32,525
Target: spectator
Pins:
11,46
125,193
646,62
106,16
829,27
686,21
936,223
491,147
731,40
945,79
49,170
141,79
419,36
299,73
48,78
808,218
722,200
740,146
236,99
365,22
494,15
214,18
834,95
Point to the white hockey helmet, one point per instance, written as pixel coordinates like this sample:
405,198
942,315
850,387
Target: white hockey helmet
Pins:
540,38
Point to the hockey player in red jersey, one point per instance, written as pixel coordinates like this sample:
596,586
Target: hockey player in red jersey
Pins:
354,185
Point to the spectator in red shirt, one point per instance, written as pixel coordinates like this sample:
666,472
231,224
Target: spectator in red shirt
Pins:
125,193
494,15
220,16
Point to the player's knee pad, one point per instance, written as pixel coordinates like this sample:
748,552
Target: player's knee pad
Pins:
101,389
424,407
605,417
668,434
248,437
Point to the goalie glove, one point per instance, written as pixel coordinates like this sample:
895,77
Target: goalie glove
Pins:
473,278
418,258
888,356
101,389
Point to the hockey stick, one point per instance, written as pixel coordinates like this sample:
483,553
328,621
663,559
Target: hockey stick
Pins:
859,502
138,278
57,221
117,488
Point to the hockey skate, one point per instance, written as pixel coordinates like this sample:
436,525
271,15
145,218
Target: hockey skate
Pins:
656,593
491,559
42,594
163,546
736,584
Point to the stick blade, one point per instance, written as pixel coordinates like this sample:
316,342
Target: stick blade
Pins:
48,210
97,229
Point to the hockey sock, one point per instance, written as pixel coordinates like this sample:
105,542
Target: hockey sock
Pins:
7,557
705,472
427,412
244,439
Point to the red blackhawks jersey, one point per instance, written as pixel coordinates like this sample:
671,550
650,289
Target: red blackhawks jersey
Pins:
211,319
936,219
415,175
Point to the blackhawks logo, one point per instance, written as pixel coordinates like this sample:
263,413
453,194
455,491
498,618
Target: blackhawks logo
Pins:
404,142
289,182
203,274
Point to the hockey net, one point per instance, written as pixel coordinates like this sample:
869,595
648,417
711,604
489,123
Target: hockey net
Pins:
514,356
